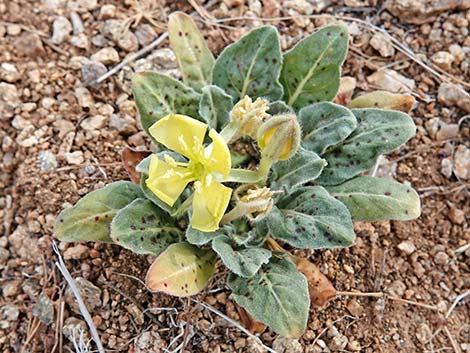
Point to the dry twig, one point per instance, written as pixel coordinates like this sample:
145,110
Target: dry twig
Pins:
234,323
130,58
386,296
81,304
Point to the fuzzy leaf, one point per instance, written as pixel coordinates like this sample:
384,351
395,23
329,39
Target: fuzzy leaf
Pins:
311,70
89,219
181,270
215,107
303,167
279,107
157,95
378,132
372,199
325,124
194,57
144,228
309,217
277,296
384,100
197,237
243,262
251,66
143,166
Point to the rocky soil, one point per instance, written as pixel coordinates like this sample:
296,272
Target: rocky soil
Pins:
61,134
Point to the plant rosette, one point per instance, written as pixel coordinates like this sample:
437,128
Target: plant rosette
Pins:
200,200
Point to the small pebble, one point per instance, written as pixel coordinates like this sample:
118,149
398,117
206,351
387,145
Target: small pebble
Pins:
443,59
61,29
76,252
106,56
456,216
462,162
441,258
406,247
74,158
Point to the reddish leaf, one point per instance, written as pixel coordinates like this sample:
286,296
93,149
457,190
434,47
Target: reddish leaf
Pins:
130,159
248,321
346,88
319,287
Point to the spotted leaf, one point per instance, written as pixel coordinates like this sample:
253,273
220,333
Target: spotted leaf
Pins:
89,219
144,228
157,95
311,70
251,66
378,132
276,295
309,217
181,270
194,57
372,199
325,124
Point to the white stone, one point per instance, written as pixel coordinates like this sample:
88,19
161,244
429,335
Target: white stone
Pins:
443,59
61,29
106,56
462,162
107,11
407,247
390,80
95,122
382,44
75,158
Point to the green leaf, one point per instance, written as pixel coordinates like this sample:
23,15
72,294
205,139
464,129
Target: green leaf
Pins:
279,107
198,237
277,296
254,238
311,70
215,107
325,124
372,199
144,228
244,262
309,217
303,167
181,270
378,132
194,57
143,166
157,95
251,66
89,219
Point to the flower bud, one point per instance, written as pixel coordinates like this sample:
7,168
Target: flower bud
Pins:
279,137
249,115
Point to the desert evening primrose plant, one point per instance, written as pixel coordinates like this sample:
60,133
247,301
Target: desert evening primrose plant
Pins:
202,198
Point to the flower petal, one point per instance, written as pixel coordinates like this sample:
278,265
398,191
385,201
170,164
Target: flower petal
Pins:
218,155
167,181
180,133
209,204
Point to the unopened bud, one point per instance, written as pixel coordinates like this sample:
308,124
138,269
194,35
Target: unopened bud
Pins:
249,115
279,137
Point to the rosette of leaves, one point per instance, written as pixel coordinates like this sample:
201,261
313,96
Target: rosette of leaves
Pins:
323,185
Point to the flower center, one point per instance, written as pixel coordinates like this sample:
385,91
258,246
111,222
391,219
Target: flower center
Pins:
197,169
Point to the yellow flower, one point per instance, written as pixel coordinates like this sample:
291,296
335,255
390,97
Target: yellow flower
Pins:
207,167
